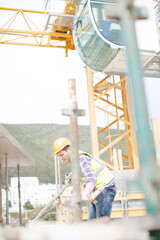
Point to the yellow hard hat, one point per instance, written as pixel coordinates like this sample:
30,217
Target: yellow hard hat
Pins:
59,144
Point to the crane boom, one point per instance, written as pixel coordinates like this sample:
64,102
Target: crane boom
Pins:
22,27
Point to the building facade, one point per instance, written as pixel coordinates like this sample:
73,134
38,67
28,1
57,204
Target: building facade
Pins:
31,190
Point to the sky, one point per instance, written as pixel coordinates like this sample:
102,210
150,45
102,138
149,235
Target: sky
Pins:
34,80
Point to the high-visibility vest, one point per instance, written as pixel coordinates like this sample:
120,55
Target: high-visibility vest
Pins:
101,172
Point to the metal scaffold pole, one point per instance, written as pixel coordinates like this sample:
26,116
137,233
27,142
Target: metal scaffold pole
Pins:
19,195
74,155
6,183
73,112
157,13
126,13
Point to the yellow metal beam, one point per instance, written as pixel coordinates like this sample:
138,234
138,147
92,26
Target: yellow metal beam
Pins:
30,34
35,33
117,112
93,125
114,142
35,45
23,10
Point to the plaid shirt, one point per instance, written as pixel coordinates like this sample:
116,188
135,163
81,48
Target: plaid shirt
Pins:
87,171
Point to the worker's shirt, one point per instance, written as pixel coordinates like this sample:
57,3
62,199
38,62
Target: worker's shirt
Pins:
87,172
86,169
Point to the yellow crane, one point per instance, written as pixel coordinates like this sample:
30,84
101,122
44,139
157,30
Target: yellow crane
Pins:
30,33
118,150
57,33
108,94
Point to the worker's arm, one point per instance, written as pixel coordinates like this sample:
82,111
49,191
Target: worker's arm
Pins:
89,188
86,195
90,182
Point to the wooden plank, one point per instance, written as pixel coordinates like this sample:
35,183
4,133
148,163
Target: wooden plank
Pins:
115,160
156,135
93,125
120,159
132,212
126,116
132,127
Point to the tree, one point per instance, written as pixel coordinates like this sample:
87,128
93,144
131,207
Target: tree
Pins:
28,205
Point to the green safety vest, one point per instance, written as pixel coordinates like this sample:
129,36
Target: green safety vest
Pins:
101,172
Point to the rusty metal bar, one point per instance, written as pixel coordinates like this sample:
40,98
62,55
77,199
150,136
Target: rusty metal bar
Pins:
19,195
77,214
6,183
59,174
56,174
73,112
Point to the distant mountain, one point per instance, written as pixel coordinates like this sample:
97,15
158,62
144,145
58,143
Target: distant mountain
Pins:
38,140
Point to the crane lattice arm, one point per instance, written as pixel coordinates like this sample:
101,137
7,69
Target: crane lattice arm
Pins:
22,27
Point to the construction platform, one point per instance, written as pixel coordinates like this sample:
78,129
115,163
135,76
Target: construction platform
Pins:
127,203
150,63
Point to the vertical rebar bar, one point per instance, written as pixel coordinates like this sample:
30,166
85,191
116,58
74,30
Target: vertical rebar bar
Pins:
19,195
6,183
59,174
56,181
56,174
77,214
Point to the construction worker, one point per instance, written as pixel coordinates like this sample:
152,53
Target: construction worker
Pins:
95,175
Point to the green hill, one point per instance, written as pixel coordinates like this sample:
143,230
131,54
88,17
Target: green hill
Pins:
38,140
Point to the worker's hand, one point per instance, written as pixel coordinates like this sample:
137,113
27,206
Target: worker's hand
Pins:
85,196
68,177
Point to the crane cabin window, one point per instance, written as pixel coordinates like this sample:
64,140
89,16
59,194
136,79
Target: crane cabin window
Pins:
108,29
